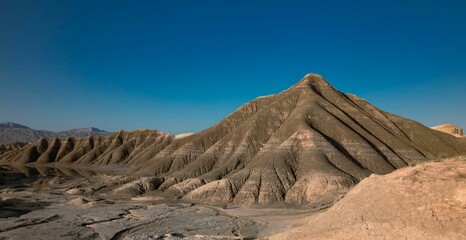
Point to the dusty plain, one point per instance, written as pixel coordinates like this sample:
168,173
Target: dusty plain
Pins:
69,203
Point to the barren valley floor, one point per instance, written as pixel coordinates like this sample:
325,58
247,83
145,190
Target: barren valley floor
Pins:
79,207
426,201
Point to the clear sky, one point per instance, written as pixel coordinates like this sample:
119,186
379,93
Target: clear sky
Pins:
181,66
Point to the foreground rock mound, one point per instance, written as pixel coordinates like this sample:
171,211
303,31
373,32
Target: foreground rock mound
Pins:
306,145
423,202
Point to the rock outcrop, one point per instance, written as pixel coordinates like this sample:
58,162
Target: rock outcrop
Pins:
309,144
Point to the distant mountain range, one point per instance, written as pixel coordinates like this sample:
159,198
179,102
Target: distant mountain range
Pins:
13,132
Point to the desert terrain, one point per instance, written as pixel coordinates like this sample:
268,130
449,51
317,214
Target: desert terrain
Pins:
426,201
346,168
79,204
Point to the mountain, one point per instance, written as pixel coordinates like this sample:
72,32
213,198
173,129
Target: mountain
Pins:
83,132
12,125
309,144
12,132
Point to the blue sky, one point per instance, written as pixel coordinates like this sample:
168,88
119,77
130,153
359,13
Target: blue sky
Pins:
181,66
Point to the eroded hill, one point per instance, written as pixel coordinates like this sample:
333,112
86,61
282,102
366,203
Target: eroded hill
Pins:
306,145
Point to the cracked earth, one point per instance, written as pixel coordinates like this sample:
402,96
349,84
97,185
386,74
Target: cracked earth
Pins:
82,207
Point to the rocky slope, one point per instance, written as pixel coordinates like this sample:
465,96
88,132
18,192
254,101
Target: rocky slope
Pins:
120,148
306,145
11,146
13,132
427,201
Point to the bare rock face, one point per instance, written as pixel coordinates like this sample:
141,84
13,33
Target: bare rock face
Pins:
427,201
309,144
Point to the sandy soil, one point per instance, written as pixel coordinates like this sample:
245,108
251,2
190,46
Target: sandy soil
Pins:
427,201
273,220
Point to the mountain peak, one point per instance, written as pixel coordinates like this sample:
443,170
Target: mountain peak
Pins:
313,75
311,80
314,82
12,125
87,129
83,132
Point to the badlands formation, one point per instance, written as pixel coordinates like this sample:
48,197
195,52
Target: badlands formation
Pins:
303,148
308,144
